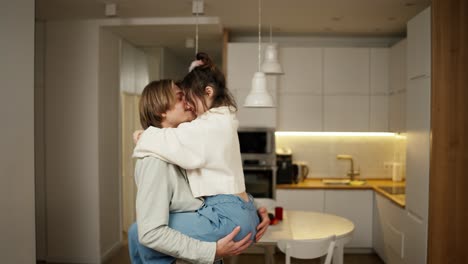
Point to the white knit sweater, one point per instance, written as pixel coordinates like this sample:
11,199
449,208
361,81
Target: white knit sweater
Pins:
208,148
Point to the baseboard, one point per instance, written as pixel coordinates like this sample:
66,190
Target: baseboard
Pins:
76,260
358,250
112,251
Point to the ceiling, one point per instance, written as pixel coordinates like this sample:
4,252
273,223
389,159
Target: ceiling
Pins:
370,18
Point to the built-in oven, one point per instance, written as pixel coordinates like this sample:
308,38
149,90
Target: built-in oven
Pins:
260,181
258,154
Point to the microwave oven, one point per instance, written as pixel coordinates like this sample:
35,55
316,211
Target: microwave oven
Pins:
257,146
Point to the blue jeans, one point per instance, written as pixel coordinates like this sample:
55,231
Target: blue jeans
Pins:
218,216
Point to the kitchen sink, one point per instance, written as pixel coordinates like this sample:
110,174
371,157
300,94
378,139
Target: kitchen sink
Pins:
393,189
343,182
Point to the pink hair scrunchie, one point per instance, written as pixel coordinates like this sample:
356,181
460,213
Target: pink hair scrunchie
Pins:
194,64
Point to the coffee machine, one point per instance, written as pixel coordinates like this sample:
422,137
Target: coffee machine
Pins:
285,170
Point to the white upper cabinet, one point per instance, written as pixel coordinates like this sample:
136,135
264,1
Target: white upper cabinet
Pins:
379,60
346,113
323,88
397,111
300,112
300,90
241,66
346,71
378,121
397,81
303,70
419,45
397,69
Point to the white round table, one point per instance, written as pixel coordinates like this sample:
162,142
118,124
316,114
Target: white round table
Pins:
299,225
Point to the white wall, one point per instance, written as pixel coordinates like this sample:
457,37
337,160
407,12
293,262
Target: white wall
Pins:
71,138
173,67
17,224
39,146
82,132
109,165
154,63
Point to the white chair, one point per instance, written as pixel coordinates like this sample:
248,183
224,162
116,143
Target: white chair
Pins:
308,249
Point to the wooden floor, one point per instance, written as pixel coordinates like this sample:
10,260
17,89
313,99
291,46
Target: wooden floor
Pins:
122,258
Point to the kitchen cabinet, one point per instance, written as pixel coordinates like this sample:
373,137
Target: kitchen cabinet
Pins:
241,66
355,205
397,111
346,71
379,88
419,45
302,200
397,66
418,119
397,88
379,71
303,70
300,112
300,100
388,230
346,113
323,88
378,121
418,146
415,246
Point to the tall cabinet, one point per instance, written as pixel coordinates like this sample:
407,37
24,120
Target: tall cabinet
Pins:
418,106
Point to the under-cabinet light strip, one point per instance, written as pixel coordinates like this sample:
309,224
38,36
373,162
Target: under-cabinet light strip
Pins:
334,134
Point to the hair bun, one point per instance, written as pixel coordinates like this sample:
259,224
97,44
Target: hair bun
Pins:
207,61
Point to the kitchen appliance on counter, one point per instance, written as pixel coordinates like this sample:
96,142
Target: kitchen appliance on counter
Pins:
285,173
257,146
301,170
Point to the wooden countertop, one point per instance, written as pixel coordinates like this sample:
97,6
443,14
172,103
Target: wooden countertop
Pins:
371,184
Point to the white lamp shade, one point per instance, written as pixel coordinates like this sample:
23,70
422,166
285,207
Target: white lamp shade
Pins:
271,63
258,95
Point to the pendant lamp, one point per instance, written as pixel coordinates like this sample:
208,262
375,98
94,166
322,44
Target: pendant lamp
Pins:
197,8
199,5
258,95
271,63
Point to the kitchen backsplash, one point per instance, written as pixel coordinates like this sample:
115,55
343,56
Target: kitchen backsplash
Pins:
374,156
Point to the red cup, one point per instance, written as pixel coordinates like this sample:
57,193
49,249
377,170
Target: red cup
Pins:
279,213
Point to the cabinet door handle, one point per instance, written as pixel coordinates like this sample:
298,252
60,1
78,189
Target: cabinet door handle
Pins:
420,76
415,217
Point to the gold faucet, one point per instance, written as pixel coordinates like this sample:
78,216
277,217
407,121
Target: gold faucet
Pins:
352,173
